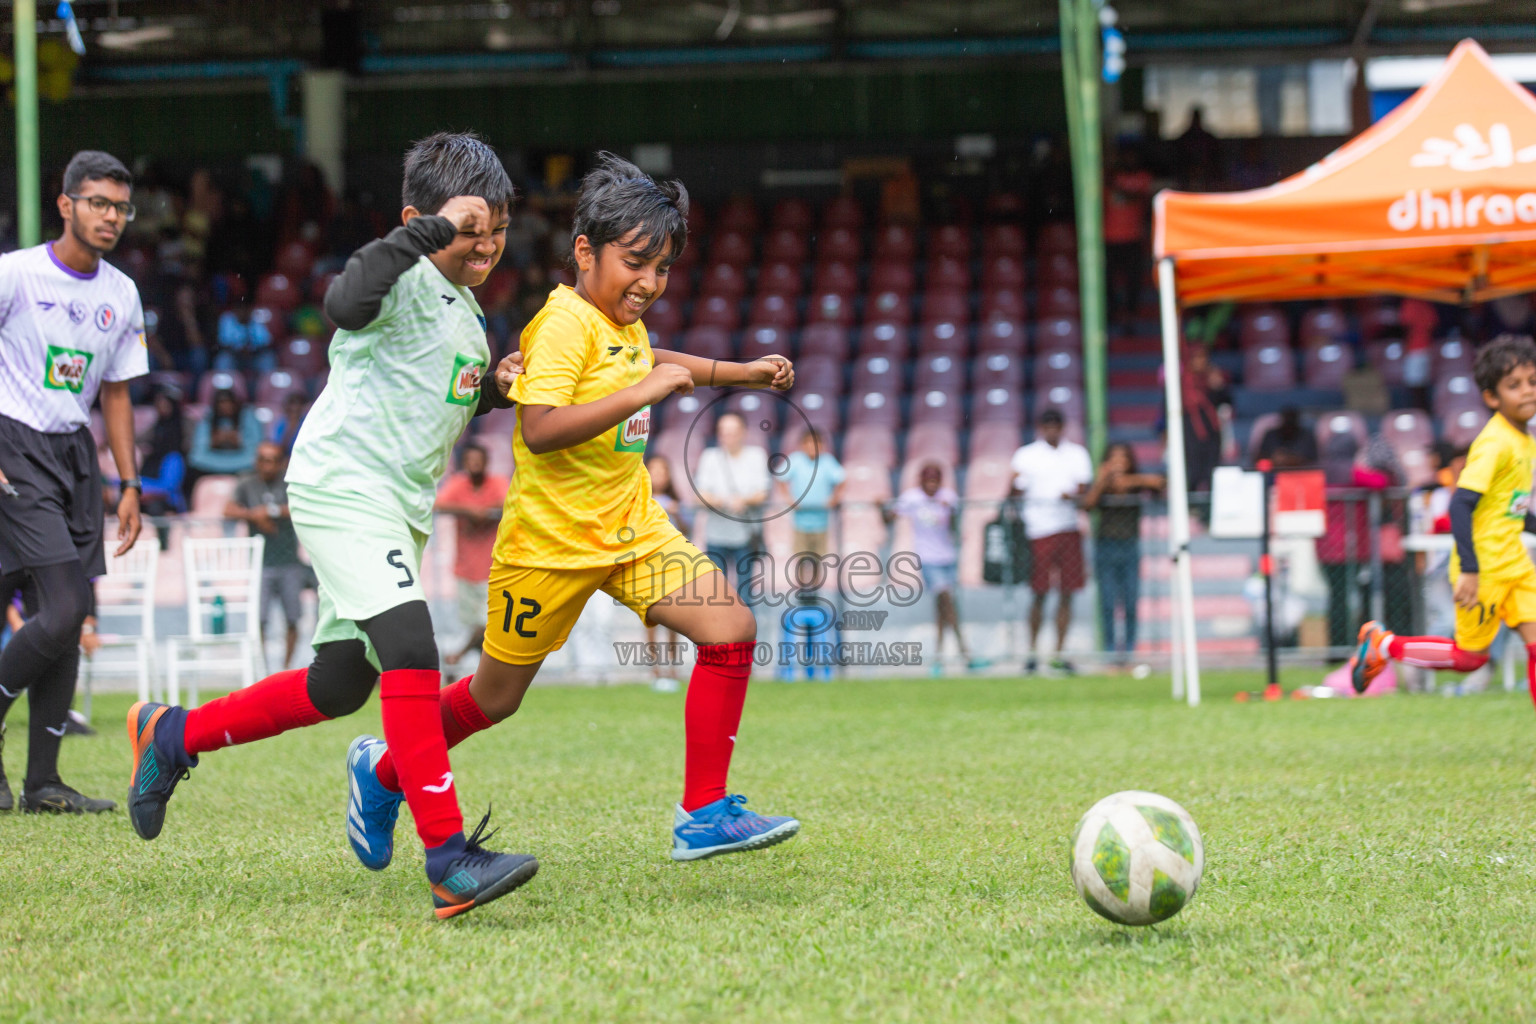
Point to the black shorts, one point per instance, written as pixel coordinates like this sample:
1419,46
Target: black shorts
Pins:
56,516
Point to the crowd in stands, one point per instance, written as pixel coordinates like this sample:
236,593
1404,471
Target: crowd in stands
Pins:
929,329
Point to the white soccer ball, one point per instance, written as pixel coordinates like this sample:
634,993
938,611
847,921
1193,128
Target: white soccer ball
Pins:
1137,858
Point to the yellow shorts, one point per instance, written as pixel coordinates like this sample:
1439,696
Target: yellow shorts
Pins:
1511,600
530,611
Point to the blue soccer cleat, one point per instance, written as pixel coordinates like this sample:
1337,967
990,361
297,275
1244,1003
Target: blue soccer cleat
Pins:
726,826
371,808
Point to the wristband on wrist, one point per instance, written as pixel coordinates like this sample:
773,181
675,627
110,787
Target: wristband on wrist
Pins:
133,483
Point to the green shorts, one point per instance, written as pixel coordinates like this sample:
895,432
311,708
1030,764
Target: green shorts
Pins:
367,560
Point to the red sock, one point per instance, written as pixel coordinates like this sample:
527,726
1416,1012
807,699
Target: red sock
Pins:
462,718
1530,668
274,705
1434,652
413,728
711,714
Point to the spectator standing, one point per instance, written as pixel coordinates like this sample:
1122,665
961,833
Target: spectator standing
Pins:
225,440
1205,392
473,496
1051,473
261,502
663,673
1117,543
732,480
1126,198
813,483
930,509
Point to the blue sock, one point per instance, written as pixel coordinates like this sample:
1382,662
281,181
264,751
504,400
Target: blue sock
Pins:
439,857
170,738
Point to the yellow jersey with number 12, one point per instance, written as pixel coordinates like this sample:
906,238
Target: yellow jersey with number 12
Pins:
1499,467
588,505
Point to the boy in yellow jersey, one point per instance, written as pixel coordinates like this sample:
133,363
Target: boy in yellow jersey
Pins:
579,516
1491,570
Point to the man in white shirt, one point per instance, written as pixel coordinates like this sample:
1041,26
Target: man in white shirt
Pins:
732,480
1051,473
70,326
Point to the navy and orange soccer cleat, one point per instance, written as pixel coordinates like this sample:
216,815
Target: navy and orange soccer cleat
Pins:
154,734
1368,661
477,876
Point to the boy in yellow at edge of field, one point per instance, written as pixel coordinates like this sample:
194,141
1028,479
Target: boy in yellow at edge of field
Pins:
1491,571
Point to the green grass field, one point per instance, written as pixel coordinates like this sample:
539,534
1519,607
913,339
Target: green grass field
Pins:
1365,860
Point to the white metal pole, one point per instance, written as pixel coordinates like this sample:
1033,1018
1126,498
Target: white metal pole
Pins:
1178,491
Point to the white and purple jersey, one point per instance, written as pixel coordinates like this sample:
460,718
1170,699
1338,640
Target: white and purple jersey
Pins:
61,334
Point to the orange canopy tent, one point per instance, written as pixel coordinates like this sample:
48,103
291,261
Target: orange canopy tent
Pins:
1435,200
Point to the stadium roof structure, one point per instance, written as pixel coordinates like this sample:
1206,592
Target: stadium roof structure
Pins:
1436,200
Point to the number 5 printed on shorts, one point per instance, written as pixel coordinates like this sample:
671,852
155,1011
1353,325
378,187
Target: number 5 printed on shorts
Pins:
397,559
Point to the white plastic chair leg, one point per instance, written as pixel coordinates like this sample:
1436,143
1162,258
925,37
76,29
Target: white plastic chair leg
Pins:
141,652
173,672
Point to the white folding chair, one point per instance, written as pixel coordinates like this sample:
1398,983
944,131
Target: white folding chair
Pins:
227,568
125,619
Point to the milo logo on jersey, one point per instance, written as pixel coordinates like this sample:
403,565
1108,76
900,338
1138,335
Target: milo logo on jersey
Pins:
1519,504
634,432
464,387
66,368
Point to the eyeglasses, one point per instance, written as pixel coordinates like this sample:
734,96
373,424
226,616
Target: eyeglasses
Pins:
101,204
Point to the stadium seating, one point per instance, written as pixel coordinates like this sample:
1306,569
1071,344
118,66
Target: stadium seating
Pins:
780,279
775,310
1332,424
839,245
1410,433
1269,367
708,342
716,311
1001,335
824,339
951,240
943,337
1462,427
884,338
831,308
837,276
1325,363
765,339
936,405
724,279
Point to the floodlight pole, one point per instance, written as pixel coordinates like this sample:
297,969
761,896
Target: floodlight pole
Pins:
1186,661
1080,79
29,197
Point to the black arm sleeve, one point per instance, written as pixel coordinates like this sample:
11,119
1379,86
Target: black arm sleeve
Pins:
490,395
1462,504
354,298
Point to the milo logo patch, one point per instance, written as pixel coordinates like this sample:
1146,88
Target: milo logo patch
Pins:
66,369
1519,504
634,432
464,387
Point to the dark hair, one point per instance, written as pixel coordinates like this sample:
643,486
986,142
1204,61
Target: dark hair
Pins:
1501,357
448,164
618,199
1052,416
94,165
472,446
1130,453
